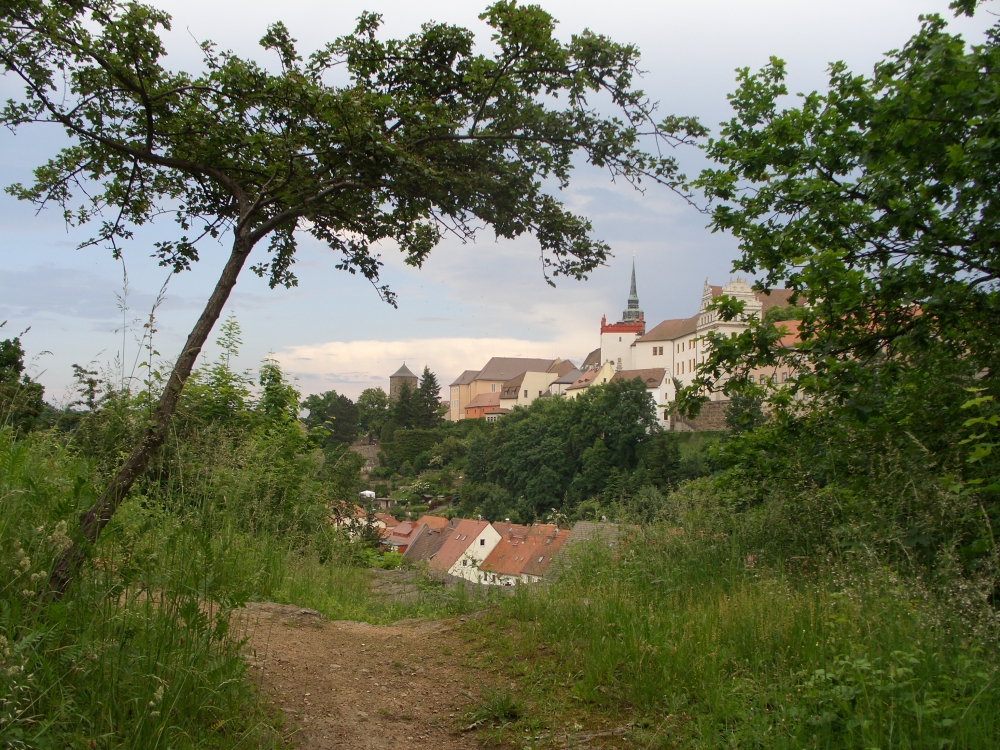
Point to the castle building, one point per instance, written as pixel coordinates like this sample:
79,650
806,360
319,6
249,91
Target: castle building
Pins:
617,338
679,346
396,380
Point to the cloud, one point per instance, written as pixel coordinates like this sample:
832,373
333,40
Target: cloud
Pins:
351,366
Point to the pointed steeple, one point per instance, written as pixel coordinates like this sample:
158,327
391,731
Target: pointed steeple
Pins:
633,313
633,295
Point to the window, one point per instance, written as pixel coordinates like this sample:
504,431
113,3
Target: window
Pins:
539,393
482,542
732,334
619,339
493,387
526,393
784,377
763,379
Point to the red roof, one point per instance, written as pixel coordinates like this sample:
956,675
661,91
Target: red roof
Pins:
403,534
524,550
459,540
638,326
435,522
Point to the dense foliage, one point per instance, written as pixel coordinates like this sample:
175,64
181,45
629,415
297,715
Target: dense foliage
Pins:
20,397
553,456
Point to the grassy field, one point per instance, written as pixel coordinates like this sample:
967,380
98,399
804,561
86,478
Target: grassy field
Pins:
688,643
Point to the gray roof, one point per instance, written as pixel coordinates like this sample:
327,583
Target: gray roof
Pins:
507,368
569,378
427,542
403,372
466,377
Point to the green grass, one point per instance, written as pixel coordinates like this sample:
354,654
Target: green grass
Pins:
696,646
139,653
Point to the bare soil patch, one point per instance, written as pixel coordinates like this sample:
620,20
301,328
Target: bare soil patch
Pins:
354,685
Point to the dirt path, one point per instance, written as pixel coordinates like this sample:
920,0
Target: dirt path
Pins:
352,685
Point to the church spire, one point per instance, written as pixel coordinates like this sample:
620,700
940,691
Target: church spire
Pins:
633,313
633,295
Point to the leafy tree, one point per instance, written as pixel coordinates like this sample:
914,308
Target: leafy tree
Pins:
21,401
663,459
876,202
279,400
425,137
557,453
335,413
373,410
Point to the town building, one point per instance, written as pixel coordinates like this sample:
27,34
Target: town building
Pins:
678,346
428,541
523,554
558,387
529,374
617,338
401,536
465,534
596,376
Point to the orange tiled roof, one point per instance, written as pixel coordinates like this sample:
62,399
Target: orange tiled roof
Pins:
484,399
459,539
524,549
435,522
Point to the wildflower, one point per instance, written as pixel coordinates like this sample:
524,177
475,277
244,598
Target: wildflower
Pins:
59,538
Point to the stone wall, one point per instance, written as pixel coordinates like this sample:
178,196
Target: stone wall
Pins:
396,382
711,418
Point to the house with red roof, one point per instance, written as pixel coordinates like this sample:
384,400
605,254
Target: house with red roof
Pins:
454,556
523,554
401,536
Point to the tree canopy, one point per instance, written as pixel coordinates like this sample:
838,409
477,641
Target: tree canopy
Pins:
876,202
335,413
427,137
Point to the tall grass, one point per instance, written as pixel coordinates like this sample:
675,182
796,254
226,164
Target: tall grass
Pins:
143,651
139,653
714,649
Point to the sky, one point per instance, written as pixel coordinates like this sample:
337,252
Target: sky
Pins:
469,302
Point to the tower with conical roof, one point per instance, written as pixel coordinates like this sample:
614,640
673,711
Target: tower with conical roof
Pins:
396,380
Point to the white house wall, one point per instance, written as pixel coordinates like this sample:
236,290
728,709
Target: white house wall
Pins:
467,566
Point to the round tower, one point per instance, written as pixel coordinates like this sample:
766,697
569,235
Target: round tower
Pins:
396,380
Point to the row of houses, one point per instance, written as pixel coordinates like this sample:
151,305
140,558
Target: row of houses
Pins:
491,554
670,351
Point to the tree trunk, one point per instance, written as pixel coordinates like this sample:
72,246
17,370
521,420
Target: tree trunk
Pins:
97,517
